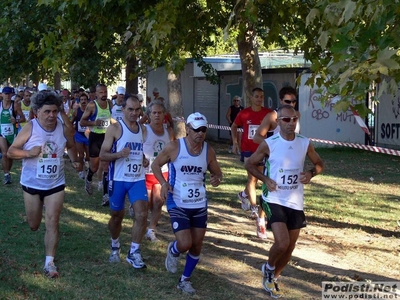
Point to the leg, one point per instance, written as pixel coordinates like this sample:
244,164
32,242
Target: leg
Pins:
281,244
285,257
139,228
54,204
155,204
115,223
6,162
33,209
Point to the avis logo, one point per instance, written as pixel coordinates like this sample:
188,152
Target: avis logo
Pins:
191,169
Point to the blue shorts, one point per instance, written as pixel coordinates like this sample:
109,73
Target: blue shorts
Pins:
185,218
247,154
117,191
81,139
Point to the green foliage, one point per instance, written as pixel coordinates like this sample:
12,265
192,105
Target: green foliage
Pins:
354,46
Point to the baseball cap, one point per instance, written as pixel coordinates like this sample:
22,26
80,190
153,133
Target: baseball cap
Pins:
155,90
140,97
8,90
196,120
42,87
121,90
21,89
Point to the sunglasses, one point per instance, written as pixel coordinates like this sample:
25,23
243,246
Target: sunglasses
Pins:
287,101
288,119
202,129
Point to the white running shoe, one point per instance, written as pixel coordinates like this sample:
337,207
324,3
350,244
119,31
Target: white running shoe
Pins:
245,202
171,261
186,287
151,236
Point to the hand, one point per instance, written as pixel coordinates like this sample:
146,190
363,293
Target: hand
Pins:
97,122
165,189
35,151
305,177
12,120
270,184
215,180
146,162
125,152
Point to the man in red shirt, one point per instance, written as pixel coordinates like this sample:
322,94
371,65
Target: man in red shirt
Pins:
250,119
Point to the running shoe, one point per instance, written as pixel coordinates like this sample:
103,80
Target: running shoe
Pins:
186,287
171,261
135,259
269,283
114,255
254,212
261,230
50,271
7,179
88,187
151,236
245,203
106,200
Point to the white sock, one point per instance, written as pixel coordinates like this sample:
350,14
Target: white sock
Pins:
49,259
244,195
134,247
149,230
183,278
270,268
115,243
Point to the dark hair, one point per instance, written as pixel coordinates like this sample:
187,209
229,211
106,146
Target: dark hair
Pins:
84,95
257,89
287,90
42,98
131,97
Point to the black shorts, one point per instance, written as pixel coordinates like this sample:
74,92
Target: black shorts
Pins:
294,219
95,142
43,193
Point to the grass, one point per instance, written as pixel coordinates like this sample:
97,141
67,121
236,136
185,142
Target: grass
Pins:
359,191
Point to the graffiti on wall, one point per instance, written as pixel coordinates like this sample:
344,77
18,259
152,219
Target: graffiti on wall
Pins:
319,112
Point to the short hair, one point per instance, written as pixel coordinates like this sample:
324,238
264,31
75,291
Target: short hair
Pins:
131,97
257,89
286,106
84,94
155,102
237,97
287,90
44,97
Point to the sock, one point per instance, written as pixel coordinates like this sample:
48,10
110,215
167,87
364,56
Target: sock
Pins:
174,249
244,195
191,262
5,174
149,230
115,243
134,247
183,278
105,183
270,268
90,175
49,259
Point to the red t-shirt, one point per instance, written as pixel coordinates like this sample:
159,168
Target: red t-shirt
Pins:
250,120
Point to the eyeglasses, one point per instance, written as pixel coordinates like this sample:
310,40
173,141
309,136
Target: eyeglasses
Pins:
288,119
202,129
289,101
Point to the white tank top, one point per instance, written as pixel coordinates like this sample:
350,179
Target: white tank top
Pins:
153,145
47,170
116,112
187,178
128,169
286,172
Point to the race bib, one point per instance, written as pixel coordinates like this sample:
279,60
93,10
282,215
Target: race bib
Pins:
133,168
48,168
193,192
81,128
104,123
288,179
252,131
7,129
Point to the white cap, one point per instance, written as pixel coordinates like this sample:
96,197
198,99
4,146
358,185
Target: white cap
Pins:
42,87
196,120
140,97
21,89
121,90
13,98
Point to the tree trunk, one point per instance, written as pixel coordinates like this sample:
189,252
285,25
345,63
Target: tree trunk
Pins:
131,79
57,81
175,103
251,66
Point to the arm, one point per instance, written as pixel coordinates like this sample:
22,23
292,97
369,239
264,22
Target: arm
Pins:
144,119
234,134
252,162
90,109
170,121
267,124
214,168
319,166
168,154
113,133
228,115
19,112
15,151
